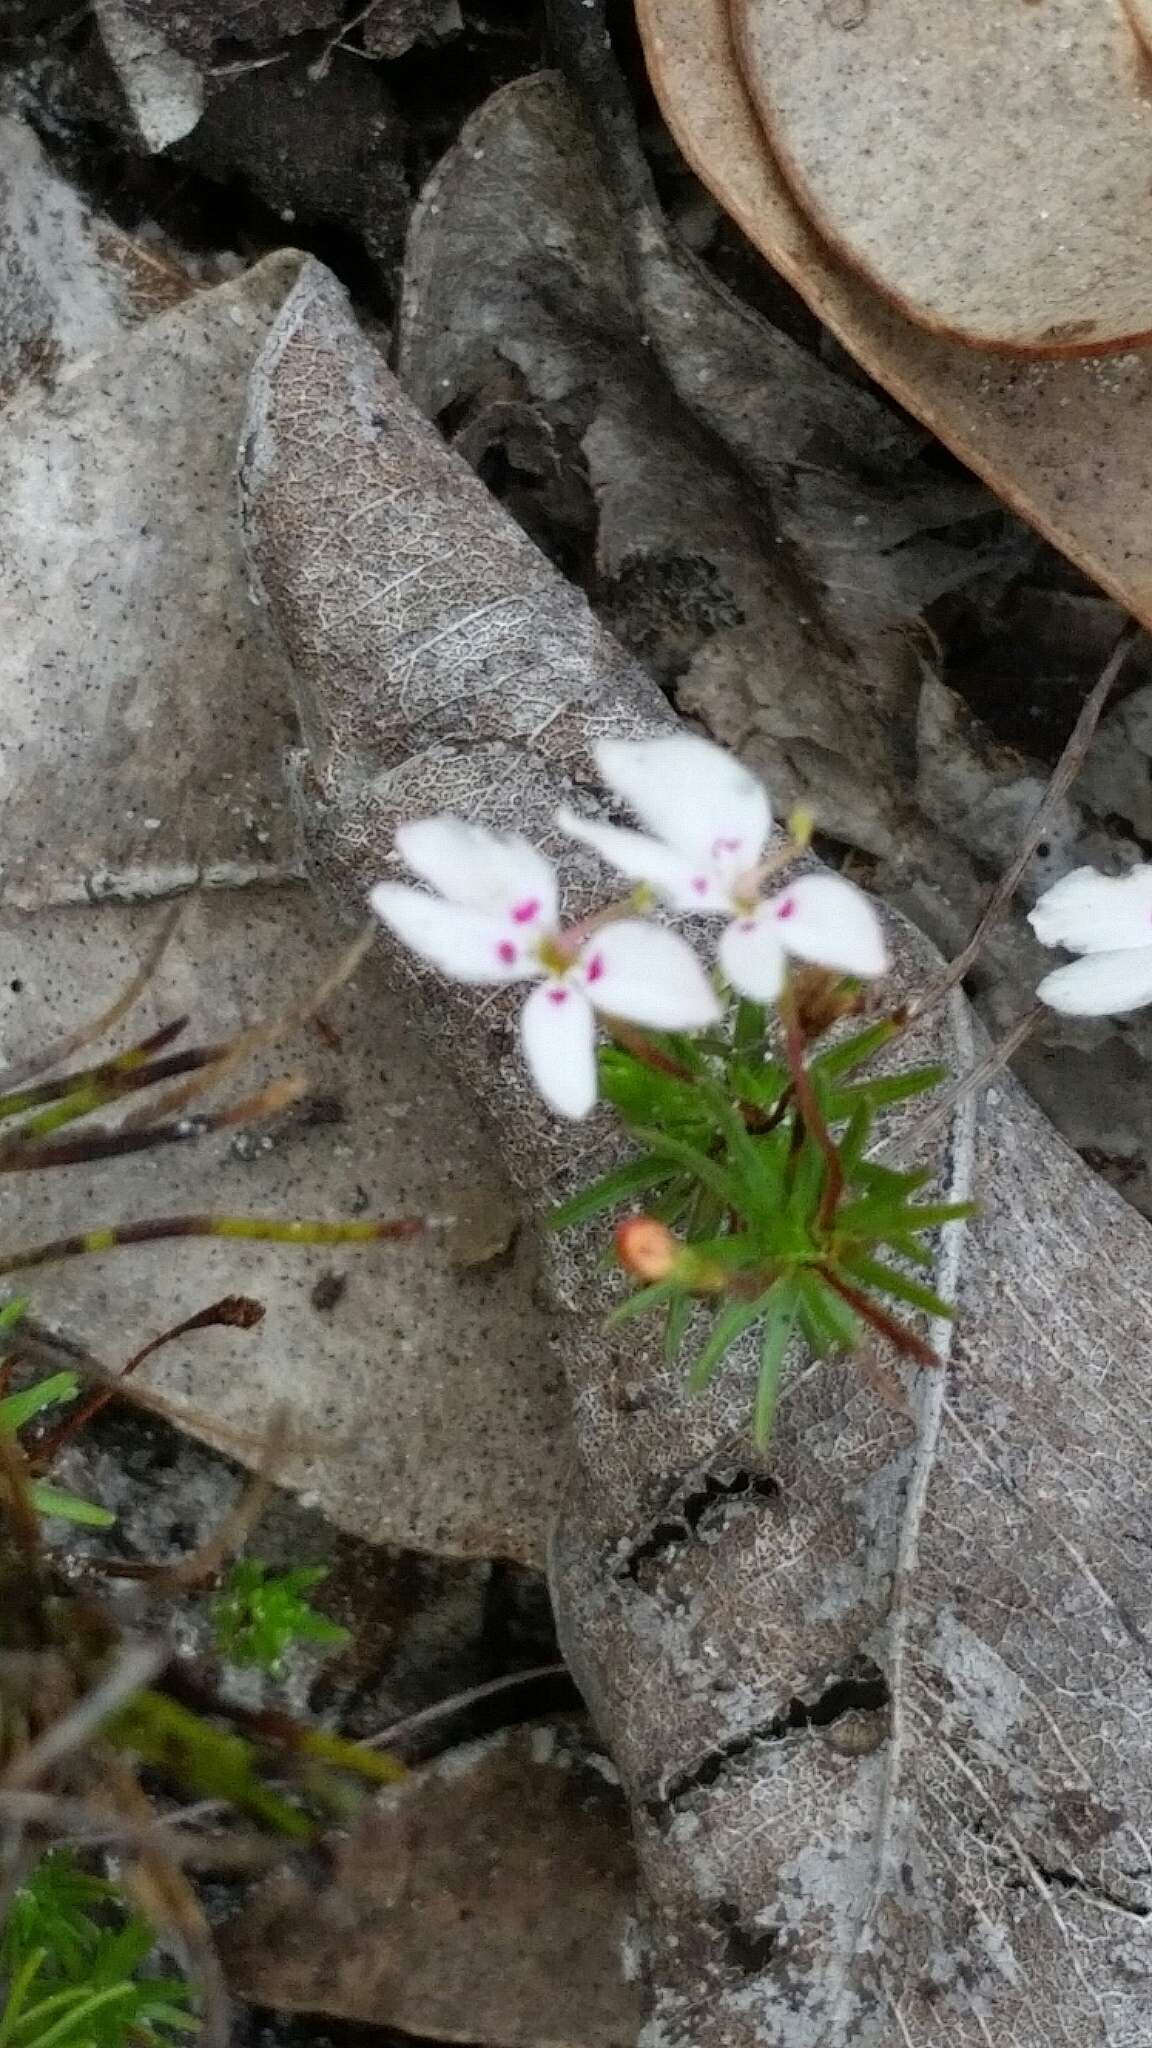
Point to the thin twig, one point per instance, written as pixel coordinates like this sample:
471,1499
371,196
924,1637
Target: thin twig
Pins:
97,1027
323,63
136,1666
931,1393
57,1818
101,1143
233,1312
1063,775
456,1703
266,1033
164,1894
202,1564
52,1352
966,1085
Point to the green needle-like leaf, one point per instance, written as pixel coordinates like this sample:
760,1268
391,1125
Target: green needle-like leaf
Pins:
886,1280
609,1192
709,1172
645,1298
842,1059
886,1089
675,1326
730,1323
829,1323
17,1409
781,1306
68,1507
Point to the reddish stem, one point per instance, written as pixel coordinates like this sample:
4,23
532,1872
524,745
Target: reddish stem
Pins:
650,1055
905,1340
811,1114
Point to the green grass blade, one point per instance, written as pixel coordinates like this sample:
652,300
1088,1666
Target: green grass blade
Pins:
18,1990
17,1409
68,1507
81,2012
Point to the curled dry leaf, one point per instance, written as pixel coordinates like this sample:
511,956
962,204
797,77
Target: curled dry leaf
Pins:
520,322
490,1897
1068,445
985,167
878,1704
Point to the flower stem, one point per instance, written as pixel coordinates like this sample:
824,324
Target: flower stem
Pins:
812,1116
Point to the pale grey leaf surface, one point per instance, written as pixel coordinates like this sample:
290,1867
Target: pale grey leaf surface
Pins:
145,720
966,1860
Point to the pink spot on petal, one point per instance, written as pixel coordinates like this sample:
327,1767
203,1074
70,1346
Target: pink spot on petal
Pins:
557,995
722,846
506,952
787,908
595,967
700,884
523,913
746,924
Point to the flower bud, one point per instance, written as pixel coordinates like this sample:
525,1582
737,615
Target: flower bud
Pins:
647,1249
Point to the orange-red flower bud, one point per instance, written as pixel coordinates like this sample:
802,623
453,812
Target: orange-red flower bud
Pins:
647,1248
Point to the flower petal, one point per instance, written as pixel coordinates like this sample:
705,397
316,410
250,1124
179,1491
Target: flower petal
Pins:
685,884
649,976
828,921
752,956
465,944
1101,984
558,1032
493,871
699,799
1093,913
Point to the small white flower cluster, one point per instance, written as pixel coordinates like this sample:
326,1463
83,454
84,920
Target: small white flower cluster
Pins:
495,916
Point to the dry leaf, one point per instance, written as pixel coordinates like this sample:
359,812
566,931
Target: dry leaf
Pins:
69,281
879,1701
144,724
985,167
1068,445
491,1897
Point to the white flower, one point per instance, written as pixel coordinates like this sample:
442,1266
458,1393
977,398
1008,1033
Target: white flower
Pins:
711,820
1107,918
496,919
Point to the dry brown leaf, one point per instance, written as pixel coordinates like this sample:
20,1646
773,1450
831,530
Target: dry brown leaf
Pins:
1067,444
488,1898
985,166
